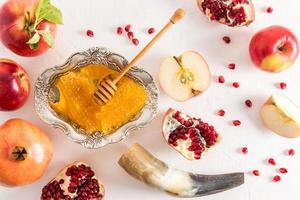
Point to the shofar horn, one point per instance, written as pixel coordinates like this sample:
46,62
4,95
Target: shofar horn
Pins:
142,165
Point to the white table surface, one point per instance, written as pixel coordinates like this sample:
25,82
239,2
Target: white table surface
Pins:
195,32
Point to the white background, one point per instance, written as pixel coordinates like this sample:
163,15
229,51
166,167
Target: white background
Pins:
195,32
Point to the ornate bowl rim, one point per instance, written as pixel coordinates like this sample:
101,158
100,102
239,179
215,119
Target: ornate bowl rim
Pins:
94,55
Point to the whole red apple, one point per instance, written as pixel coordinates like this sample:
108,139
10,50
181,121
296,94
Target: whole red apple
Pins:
14,85
274,49
28,27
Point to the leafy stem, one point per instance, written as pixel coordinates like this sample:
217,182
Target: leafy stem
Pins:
44,11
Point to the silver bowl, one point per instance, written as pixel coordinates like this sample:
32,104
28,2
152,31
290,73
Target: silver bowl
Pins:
44,91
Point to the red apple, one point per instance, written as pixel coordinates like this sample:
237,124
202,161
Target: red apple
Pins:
14,85
274,49
28,28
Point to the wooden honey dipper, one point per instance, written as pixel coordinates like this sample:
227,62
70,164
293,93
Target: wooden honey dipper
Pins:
106,88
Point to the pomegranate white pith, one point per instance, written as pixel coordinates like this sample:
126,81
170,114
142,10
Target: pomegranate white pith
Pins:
76,181
191,137
229,12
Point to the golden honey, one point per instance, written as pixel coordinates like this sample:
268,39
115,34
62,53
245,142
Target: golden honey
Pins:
76,102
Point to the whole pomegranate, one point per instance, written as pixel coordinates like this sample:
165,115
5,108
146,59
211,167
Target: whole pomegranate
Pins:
25,152
75,181
191,137
28,27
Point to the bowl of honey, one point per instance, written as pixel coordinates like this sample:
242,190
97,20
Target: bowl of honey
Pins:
64,98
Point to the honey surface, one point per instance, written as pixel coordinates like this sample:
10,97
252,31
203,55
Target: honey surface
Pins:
76,101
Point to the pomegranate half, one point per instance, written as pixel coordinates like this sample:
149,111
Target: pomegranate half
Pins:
75,181
191,137
228,12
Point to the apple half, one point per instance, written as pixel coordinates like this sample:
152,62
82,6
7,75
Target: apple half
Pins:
281,116
185,76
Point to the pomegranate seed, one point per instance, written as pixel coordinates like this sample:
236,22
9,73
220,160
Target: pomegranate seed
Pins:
90,33
235,84
221,112
269,9
271,161
244,150
231,66
283,170
221,79
119,30
130,35
276,178
255,172
226,39
236,122
291,152
127,27
151,30
248,103
135,41
282,85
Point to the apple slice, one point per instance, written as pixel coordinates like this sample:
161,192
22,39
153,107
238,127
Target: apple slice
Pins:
281,116
184,77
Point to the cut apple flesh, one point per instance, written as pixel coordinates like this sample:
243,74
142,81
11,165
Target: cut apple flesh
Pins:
281,116
184,77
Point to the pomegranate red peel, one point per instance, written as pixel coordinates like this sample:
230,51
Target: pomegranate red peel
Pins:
191,137
75,181
142,165
229,12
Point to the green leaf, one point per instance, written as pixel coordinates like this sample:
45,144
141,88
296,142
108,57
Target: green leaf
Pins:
49,39
46,11
34,46
34,39
38,8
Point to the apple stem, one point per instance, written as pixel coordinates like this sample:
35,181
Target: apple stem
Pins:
19,153
185,75
178,61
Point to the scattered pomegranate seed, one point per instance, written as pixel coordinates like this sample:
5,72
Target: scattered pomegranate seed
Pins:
226,39
221,79
130,35
282,85
256,172
244,150
236,84
276,178
151,30
283,170
269,9
248,103
271,161
90,33
119,30
231,66
221,112
291,152
135,41
236,122
127,27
